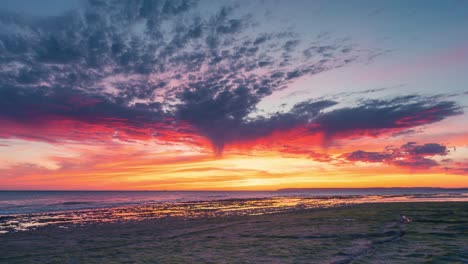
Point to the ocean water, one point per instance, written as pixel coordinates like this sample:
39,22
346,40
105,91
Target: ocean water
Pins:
27,210
26,202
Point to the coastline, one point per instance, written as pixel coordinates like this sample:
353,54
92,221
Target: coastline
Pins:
368,232
201,209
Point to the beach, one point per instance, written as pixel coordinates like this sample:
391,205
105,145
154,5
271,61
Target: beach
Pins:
357,233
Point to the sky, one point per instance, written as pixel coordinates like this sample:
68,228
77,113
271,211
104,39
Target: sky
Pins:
232,95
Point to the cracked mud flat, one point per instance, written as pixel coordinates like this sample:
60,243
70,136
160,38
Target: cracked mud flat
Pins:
362,233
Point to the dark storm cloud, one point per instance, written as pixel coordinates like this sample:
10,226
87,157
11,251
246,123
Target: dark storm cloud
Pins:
373,117
409,155
148,61
223,120
41,105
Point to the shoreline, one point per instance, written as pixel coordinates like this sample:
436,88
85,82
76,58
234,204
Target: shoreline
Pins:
366,232
26,222
225,216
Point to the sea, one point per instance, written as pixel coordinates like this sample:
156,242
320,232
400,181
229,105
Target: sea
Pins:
29,210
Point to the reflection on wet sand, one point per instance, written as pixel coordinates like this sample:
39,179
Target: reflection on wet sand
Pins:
201,209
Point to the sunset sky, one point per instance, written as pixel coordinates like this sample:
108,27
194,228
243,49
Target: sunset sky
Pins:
233,95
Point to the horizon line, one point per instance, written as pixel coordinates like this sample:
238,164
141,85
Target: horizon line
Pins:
239,190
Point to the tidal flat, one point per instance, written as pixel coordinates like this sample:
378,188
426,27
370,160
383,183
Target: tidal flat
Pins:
358,233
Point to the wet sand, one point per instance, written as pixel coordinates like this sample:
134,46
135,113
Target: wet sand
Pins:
359,233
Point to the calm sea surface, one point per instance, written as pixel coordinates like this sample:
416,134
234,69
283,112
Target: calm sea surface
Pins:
26,210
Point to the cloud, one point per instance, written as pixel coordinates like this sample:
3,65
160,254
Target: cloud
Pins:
374,117
313,121
146,70
148,61
429,149
368,156
38,105
416,163
408,155
302,151
455,166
